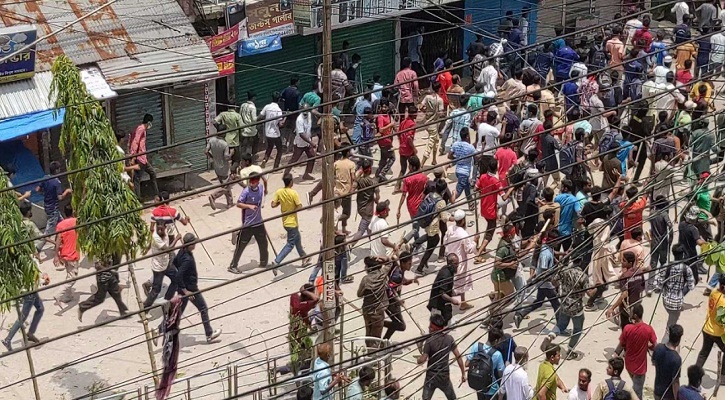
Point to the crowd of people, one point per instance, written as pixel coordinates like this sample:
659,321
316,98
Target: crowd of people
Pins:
523,143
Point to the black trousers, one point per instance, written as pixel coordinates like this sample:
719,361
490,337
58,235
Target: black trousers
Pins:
707,342
387,159
542,294
274,143
152,177
248,144
431,242
396,322
245,236
158,279
108,287
200,304
297,154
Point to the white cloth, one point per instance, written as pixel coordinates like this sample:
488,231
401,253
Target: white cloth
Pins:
599,121
680,9
272,112
459,241
124,175
524,32
487,79
600,269
577,394
488,136
303,125
516,383
160,260
661,74
377,248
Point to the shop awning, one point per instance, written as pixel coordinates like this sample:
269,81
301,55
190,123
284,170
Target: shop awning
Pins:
13,127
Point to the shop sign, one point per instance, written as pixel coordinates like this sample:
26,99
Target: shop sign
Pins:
224,39
225,64
270,17
260,45
18,58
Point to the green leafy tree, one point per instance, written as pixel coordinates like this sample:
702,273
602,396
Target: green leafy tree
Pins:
101,191
18,271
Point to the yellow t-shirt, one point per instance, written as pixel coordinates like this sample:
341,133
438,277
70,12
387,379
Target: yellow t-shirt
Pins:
712,327
547,377
288,200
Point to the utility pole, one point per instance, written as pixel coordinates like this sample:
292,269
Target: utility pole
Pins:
328,179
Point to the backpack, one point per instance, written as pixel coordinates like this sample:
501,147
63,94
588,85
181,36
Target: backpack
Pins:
480,369
567,157
516,174
427,209
612,389
607,142
599,57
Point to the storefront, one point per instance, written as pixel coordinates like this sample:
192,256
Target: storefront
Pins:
574,15
485,16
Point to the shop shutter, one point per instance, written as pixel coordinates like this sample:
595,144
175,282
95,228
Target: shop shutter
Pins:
128,112
270,72
549,15
377,57
188,122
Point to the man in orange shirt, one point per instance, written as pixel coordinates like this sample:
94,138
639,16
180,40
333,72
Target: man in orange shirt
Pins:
446,80
67,256
632,210
685,51
615,49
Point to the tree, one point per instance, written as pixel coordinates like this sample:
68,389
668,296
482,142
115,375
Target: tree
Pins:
18,271
100,191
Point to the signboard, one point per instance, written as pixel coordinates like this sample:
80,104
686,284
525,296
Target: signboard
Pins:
302,13
20,62
224,39
329,299
225,64
207,113
260,45
270,17
236,15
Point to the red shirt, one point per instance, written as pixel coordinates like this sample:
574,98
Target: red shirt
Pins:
636,339
407,137
300,308
386,140
633,215
68,240
413,186
489,186
506,159
446,81
643,33
684,77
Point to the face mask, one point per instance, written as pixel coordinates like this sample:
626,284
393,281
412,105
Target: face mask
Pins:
150,125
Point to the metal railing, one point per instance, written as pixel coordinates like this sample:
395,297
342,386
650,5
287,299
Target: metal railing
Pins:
350,10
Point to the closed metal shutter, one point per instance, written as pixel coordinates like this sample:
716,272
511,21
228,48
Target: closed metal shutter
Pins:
188,122
377,58
128,112
270,72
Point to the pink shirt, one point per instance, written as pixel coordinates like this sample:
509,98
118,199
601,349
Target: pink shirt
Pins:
408,91
138,144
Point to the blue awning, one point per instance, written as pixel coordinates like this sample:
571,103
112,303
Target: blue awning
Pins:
13,127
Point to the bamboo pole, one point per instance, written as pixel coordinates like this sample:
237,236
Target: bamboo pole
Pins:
145,322
31,366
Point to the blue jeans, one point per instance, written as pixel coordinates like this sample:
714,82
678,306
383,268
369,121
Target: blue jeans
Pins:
463,185
293,240
714,280
29,301
53,219
562,322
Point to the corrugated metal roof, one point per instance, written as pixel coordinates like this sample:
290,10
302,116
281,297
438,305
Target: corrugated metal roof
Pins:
26,96
127,27
160,67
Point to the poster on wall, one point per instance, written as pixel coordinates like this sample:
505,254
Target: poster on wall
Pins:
17,54
260,45
301,10
236,15
225,64
223,39
269,17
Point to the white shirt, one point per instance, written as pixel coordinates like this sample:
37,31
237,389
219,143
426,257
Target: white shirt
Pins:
599,122
524,31
302,127
487,79
124,175
377,248
721,15
272,112
661,73
516,383
577,394
488,138
680,9
160,260
717,48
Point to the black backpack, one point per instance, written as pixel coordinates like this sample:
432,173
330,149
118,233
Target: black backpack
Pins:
612,389
516,174
599,57
480,369
607,142
427,209
567,157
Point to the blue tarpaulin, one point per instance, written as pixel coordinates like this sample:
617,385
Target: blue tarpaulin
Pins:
27,167
22,125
